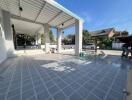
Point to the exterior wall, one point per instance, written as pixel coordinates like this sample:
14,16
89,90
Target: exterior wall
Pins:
3,54
6,36
63,46
117,45
8,33
111,34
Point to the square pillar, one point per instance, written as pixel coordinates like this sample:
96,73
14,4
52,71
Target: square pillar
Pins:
59,36
47,39
78,36
8,33
3,53
38,40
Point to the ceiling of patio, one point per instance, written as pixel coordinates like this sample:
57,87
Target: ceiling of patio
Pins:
40,12
23,27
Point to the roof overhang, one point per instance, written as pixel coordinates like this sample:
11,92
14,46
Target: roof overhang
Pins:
40,12
125,39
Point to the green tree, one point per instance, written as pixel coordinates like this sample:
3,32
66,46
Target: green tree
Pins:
86,37
69,39
108,43
29,39
51,36
105,42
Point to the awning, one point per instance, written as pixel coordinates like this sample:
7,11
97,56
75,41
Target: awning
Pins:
39,12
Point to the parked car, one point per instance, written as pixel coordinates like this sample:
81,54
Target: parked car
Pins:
89,46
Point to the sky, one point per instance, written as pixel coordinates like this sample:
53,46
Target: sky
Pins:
101,14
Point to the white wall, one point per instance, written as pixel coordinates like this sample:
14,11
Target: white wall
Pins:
8,33
3,54
63,46
6,36
117,45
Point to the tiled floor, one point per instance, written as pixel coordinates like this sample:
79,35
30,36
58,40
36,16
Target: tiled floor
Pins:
44,77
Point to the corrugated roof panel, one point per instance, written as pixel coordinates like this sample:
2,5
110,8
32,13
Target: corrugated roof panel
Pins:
47,13
3,5
60,19
51,8
42,11
57,5
29,11
37,3
68,23
13,6
45,16
32,4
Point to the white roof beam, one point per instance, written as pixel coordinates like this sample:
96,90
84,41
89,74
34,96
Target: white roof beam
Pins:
33,4
57,5
55,16
64,22
24,19
19,6
69,26
40,11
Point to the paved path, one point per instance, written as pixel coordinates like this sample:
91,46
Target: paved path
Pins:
62,77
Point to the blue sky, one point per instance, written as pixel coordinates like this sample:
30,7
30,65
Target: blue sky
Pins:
100,14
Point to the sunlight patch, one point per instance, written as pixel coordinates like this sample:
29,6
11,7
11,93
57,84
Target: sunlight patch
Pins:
56,67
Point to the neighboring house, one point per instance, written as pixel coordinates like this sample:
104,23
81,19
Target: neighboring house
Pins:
109,32
120,40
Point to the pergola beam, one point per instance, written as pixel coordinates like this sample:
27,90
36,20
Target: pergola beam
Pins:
19,7
59,13
64,22
69,26
25,19
40,11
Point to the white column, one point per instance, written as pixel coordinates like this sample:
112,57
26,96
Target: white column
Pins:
38,40
47,40
3,53
59,36
8,33
78,36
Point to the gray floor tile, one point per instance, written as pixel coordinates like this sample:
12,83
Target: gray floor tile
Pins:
13,93
68,90
92,97
27,94
43,95
15,97
59,96
76,96
93,81
53,90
